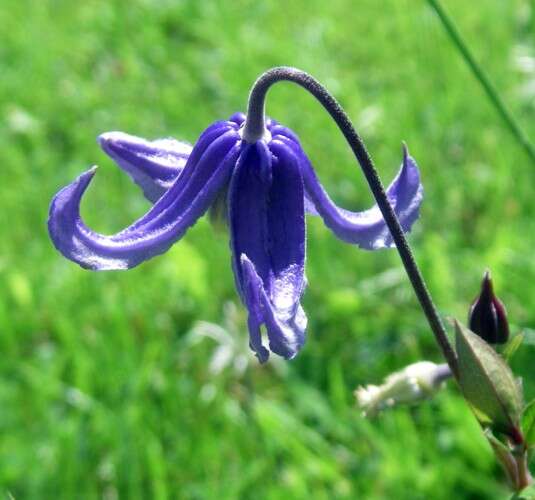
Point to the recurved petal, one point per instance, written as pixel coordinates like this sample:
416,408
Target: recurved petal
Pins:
194,174
255,299
207,171
152,165
367,229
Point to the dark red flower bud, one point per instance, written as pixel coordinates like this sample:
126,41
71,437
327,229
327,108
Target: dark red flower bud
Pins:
488,317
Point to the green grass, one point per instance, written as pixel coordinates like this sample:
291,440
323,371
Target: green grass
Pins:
106,391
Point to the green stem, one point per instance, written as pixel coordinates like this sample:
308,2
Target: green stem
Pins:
524,476
483,79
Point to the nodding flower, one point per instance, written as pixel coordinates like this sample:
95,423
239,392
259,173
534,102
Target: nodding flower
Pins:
266,187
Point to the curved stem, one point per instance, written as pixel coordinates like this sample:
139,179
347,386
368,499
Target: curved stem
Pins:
254,130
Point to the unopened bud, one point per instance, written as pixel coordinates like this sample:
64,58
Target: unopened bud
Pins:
488,317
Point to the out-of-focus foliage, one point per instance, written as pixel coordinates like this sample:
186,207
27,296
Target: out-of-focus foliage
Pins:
109,389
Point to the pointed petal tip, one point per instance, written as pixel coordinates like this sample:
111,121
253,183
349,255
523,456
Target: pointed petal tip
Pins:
82,181
286,351
408,162
249,269
291,356
262,354
246,263
64,211
114,140
408,186
166,151
67,200
405,149
120,142
106,141
106,137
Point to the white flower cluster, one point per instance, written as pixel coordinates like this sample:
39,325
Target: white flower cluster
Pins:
414,383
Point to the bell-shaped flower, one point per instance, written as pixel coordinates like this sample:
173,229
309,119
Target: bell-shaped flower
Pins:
266,186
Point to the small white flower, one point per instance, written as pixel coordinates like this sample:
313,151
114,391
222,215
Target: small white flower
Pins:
412,384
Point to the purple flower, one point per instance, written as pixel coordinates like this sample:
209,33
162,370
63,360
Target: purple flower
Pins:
266,185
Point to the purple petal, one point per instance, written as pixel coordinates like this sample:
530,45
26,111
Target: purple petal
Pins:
367,229
286,223
193,176
153,165
310,208
207,171
248,198
268,243
255,300
285,337
237,118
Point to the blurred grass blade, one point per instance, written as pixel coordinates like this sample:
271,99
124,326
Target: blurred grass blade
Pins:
513,345
483,79
528,424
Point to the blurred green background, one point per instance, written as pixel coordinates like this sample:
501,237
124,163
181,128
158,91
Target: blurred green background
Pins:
140,384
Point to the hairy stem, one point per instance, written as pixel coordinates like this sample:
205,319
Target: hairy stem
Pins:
254,130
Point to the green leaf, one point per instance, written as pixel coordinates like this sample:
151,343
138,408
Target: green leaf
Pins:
513,345
487,382
528,424
526,494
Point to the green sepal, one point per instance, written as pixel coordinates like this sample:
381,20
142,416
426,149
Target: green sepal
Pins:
487,383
